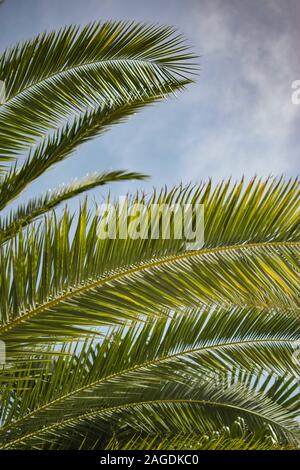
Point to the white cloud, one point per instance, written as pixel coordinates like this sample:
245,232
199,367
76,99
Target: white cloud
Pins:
253,96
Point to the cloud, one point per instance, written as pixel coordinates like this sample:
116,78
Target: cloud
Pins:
237,119
252,92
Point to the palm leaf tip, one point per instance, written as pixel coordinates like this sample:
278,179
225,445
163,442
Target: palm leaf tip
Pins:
35,208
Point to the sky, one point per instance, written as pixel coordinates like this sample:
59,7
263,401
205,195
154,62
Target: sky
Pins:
237,119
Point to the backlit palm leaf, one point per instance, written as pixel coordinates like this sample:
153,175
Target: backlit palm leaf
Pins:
172,370
90,281
136,343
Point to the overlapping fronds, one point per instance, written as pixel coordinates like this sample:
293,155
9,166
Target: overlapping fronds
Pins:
119,342
194,372
227,439
60,145
250,259
225,355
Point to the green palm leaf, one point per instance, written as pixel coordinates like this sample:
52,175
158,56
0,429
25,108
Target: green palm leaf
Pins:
187,365
27,213
121,343
55,148
92,282
63,73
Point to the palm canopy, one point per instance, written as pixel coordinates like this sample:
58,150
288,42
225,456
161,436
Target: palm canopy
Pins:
136,343
249,259
198,340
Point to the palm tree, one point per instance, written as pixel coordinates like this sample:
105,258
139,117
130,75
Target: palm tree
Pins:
136,343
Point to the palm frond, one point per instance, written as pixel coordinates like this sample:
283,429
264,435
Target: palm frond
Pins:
27,213
86,281
215,441
173,408
58,146
217,349
59,74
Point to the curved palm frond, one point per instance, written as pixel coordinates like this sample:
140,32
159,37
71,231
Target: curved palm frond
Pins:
185,405
136,343
35,208
90,281
225,440
204,338
60,74
130,364
64,141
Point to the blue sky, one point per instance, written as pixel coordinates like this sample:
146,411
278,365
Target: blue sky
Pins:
238,119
